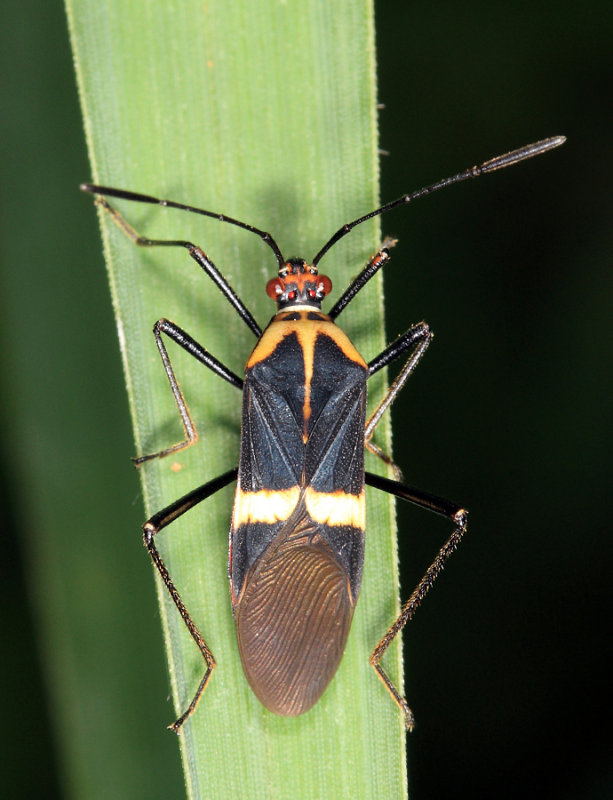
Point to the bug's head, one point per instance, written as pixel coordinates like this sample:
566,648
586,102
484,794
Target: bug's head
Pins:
298,284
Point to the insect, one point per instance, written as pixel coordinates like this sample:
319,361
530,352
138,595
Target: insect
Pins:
297,533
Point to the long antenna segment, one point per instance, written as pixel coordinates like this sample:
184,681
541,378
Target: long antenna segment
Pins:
499,162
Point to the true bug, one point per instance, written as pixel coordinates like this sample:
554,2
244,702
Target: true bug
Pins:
297,533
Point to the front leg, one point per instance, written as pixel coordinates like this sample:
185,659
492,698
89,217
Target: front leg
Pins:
416,339
190,345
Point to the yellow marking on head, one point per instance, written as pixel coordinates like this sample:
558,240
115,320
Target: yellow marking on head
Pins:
336,508
266,505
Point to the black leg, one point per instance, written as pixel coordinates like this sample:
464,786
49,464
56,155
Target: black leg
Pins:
195,252
458,516
150,529
380,258
183,339
416,339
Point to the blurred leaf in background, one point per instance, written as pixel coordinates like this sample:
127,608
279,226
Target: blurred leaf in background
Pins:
73,499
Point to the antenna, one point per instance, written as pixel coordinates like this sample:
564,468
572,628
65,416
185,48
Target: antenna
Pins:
123,194
499,162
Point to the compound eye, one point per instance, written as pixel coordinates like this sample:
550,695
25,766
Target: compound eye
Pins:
324,285
291,295
274,288
312,294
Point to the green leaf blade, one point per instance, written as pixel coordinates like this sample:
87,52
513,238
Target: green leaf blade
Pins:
267,114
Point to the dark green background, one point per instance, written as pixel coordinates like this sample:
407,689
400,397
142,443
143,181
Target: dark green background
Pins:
510,414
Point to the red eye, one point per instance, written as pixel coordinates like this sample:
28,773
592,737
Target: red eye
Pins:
291,295
274,288
325,284
312,294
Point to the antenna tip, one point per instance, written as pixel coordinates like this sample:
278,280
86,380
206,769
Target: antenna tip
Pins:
556,141
521,154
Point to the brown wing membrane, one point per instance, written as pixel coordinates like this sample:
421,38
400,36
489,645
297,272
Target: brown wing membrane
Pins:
292,622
